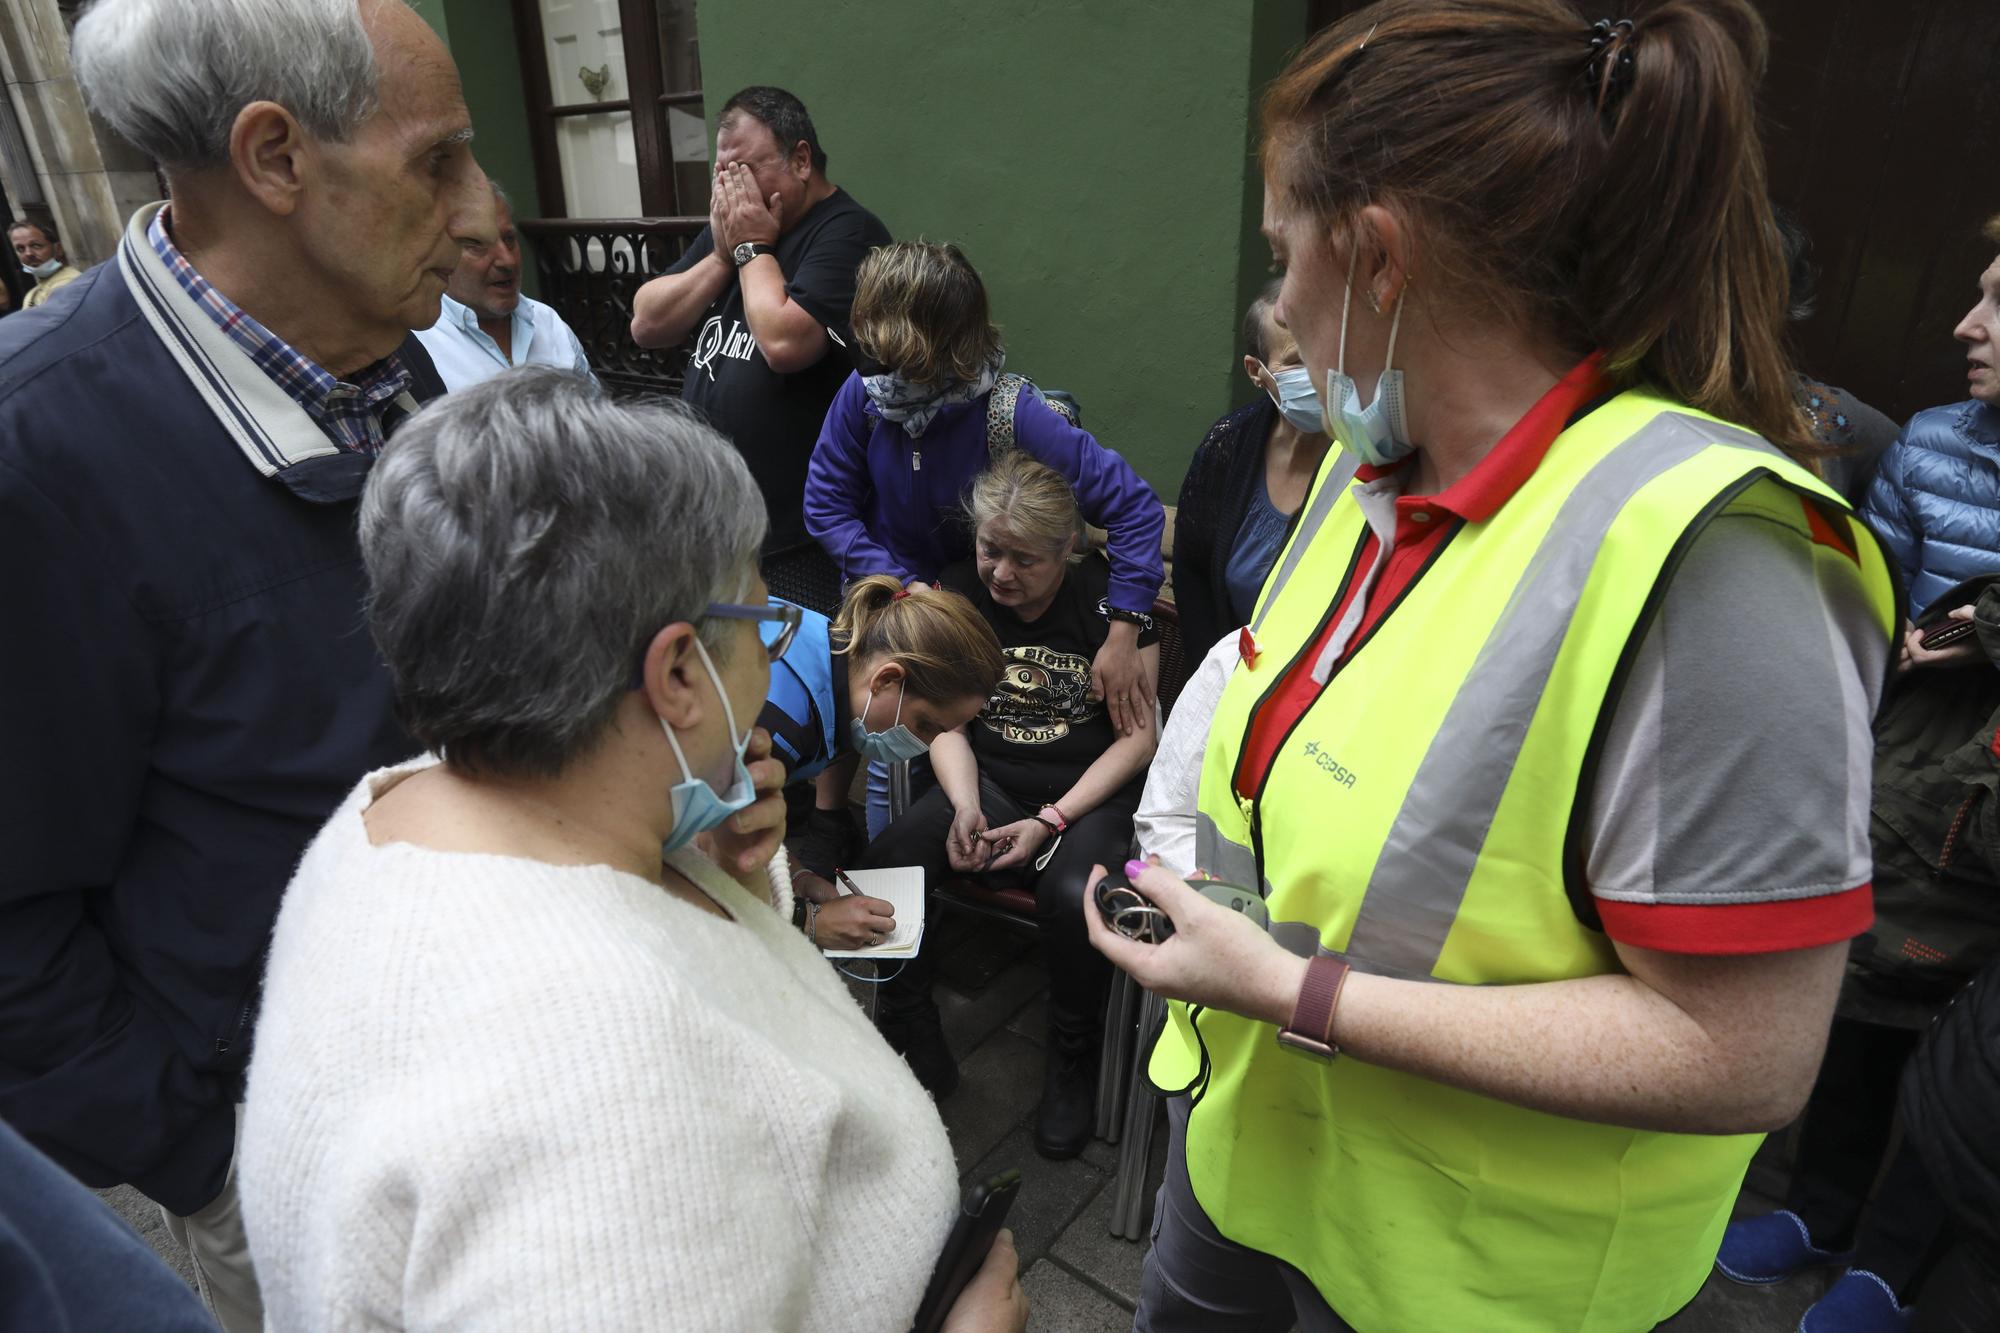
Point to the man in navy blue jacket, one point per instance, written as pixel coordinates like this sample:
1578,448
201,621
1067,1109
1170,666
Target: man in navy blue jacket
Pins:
188,689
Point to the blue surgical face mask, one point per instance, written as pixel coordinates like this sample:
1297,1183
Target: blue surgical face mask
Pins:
894,746
1380,432
696,806
1297,399
46,269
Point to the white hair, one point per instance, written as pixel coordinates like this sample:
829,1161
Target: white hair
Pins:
171,75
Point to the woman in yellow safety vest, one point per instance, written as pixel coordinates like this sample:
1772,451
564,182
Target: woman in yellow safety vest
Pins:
1548,747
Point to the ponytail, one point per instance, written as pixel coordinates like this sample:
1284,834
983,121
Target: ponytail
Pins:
945,647
1599,186
1682,270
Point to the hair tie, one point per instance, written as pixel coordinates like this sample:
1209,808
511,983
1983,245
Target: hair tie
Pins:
900,594
1608,72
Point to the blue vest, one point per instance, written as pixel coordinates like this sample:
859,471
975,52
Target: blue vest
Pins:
800,709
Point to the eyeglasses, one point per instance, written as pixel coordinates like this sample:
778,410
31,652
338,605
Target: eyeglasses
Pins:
784,614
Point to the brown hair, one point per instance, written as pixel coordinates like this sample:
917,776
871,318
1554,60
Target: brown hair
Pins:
1604,197
1032,500
946,649
920,309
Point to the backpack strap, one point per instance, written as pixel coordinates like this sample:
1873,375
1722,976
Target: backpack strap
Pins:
1000,405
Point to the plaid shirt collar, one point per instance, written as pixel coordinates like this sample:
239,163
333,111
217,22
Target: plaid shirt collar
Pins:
350,412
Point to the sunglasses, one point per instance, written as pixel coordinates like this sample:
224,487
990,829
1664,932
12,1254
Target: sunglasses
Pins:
784,614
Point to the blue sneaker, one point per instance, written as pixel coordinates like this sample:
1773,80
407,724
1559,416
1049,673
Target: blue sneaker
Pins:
1859,1302
1770,1249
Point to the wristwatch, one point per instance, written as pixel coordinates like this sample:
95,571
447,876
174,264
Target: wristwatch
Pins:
749,250
1310,1031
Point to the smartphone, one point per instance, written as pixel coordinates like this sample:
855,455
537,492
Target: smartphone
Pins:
1946,632
979,1218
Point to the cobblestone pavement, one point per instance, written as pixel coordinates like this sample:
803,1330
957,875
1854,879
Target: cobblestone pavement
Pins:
1080,1277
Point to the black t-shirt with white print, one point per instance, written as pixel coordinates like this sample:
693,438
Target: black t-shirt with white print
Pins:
1041,729
775,419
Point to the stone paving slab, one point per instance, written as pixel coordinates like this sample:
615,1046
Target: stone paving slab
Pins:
999,1086
1053,1194
143,1216
1058,1302
1730,1307
970,1019
1111,1262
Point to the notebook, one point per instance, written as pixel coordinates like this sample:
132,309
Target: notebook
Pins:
903,888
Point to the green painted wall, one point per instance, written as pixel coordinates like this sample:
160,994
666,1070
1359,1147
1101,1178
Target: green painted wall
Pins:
480,34
1095,161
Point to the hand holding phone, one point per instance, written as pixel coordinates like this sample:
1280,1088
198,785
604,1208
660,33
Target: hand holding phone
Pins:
965,1250
1945,633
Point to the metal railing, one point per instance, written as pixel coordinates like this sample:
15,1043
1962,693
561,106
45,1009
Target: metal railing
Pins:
590,269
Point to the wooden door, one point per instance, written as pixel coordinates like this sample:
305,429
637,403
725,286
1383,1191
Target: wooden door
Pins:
1882,129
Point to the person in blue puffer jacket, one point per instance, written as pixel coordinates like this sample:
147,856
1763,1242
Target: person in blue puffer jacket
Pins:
1936,499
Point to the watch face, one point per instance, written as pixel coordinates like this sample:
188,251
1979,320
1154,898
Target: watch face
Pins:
745,253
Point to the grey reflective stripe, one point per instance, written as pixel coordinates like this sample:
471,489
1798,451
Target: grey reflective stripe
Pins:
1337,480
1230,862
1426,864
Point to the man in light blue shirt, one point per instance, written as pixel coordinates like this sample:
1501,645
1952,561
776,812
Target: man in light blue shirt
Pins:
485,325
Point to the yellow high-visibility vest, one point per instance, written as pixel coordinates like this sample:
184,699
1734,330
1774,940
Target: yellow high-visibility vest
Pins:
1415,820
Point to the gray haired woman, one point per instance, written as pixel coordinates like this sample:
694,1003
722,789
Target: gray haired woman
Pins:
536,1049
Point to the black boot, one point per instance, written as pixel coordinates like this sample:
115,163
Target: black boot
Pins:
917,1035
1068,1114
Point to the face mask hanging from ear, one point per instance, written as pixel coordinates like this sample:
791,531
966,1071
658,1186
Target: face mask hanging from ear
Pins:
893,746
46,269
1378,434
696,806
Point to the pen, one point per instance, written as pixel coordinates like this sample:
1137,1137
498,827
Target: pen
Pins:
852,887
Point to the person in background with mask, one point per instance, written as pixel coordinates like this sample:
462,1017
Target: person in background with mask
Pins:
41,257
539,1048
485,324
891,673
1246,482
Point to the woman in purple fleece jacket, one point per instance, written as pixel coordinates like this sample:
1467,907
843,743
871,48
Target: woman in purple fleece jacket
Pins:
885,489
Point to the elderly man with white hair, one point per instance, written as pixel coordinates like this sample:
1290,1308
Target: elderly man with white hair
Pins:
188,691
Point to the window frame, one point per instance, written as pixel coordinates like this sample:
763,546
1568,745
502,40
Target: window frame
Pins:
647,100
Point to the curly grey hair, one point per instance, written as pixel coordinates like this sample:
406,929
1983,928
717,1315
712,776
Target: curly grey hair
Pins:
525,539
171,75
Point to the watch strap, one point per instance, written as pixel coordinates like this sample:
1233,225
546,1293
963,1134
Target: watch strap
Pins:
755,248
1310,1030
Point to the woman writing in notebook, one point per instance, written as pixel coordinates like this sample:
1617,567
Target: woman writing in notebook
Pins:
882,680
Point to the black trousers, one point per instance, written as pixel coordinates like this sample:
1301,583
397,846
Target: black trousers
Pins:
1077,972
1846,1131
1961,1296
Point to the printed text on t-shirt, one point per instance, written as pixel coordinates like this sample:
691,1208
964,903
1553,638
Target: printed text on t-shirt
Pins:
737,346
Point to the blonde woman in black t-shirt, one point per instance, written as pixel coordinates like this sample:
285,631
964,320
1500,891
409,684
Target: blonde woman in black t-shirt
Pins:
1037,788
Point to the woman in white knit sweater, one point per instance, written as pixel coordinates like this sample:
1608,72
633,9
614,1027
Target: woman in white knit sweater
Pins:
515,1067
